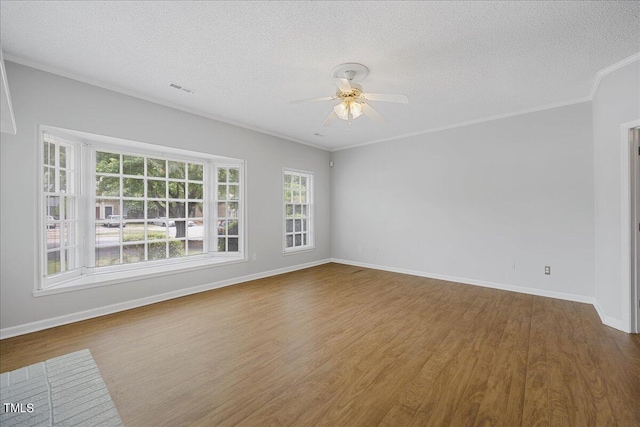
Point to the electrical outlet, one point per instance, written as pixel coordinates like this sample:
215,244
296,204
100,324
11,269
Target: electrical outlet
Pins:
547,270
254,257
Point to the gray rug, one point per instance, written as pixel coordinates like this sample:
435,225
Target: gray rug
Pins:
64,391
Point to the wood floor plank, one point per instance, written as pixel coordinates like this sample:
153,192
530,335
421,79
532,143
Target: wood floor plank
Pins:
348,346
536,409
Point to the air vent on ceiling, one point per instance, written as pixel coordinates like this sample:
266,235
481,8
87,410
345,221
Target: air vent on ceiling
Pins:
182,88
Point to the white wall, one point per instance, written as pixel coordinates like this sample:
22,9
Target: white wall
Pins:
43,98
467,203
616,101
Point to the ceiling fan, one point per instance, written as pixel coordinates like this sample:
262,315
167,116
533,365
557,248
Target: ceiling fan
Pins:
354,102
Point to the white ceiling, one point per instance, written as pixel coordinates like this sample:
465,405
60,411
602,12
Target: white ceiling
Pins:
457,61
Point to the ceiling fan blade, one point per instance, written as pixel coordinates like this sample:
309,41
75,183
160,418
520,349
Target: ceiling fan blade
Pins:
302,101
330,118
368,111
387,97
343,85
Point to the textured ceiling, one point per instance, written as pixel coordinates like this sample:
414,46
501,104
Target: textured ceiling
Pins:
457,61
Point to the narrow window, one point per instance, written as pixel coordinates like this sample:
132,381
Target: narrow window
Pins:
298,210
227,201
61,254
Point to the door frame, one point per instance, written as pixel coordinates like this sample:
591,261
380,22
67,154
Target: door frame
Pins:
630,218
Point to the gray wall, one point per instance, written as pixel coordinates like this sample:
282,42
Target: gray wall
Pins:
617,101
43,98
471,201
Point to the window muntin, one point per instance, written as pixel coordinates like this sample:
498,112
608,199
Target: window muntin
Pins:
298,203
141,205
127,208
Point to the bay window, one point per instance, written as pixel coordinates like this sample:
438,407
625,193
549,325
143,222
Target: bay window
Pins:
114,208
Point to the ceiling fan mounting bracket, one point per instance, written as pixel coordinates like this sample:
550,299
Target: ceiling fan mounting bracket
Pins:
351,71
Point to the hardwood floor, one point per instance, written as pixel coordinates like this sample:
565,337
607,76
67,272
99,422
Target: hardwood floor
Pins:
345,346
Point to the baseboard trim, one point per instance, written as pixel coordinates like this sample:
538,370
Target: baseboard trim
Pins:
483,283
606,320
610,321
114,308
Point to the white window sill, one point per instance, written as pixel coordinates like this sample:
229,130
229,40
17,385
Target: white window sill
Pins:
299,250
95,280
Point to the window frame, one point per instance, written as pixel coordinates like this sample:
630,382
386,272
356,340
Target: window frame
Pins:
87,274
310,246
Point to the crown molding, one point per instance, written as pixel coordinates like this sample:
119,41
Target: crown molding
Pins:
468,123
600,74
114,88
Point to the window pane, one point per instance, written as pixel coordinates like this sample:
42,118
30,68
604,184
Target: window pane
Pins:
156,232
287,181
303,183
52,206
298,225
107,256
176,210
177,170
222,192
195,247
156,189
195,190
69,233
195,172
46,151
222,209
157,250
156,168
222,175
107,236
233,192
63,181
195,210
176,190
234,175
289,210
177,248
132,165
298,240
289,227
133,232
53,237
107,185
222,244
63,156
289,241
233,210
133,253
233,228
222,227
53,262
105,208
304,239
49,179
107,162
133,209
156,209
296,196
233,244
295,181
133,187
298,210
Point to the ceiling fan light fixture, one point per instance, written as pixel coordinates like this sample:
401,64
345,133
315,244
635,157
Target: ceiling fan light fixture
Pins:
348,110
